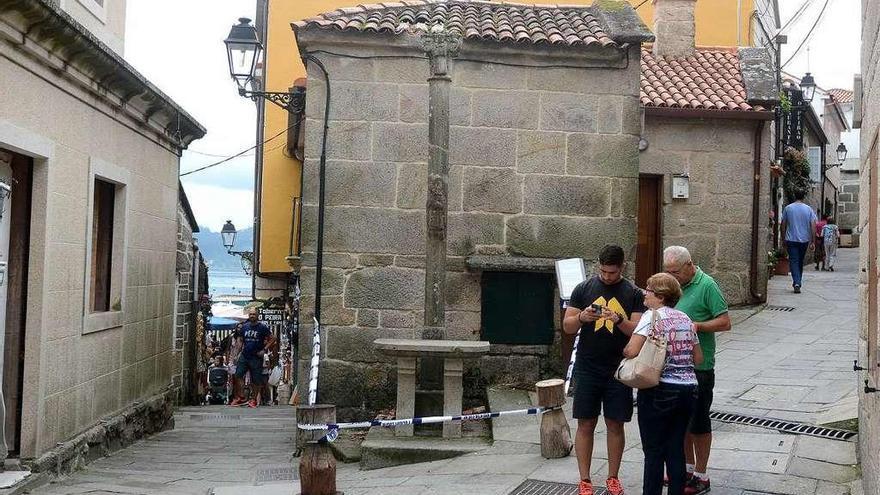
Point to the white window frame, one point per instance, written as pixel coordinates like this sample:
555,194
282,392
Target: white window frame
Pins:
104,320
92,6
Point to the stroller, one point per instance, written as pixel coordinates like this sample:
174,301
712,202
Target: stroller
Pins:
218,385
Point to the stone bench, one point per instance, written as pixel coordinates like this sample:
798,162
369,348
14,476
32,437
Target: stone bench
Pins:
453,353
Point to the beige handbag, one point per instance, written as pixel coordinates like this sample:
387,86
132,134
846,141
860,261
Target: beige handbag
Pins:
644,370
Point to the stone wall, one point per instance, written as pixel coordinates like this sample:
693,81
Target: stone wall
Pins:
543,163
189,290
73,377
848,206
714,222
869,404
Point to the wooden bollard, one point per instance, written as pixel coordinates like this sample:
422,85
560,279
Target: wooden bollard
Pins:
555,432
317,466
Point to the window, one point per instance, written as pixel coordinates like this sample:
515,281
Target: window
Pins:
106,241
517,308
102,245
814,156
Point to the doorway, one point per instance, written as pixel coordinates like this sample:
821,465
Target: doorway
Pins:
16,179
648,255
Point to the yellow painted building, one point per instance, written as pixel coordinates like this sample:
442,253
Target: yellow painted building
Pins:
719,23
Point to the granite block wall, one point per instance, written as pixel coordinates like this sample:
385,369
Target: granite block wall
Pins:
714,222
869,404
543,163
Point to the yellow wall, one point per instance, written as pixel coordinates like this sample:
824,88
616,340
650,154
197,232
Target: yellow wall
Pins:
716,26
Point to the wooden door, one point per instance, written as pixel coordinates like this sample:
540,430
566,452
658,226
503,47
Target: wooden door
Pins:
648,255
17,218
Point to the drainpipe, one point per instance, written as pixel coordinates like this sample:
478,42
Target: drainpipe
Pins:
756,214
322,168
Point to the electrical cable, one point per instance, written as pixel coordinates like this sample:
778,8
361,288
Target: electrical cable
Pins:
639,5
809,33
241,153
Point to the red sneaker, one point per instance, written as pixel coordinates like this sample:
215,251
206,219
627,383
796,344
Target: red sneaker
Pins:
585,488
614,487
237,402
697,486
252,404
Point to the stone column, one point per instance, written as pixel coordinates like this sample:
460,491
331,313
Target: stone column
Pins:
440,46
452,394
406,394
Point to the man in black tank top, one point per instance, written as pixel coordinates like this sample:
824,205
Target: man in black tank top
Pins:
606,309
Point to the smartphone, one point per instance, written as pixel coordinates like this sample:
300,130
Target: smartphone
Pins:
596,308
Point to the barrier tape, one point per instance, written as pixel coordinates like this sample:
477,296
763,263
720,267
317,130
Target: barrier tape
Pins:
316,357
333,428
574,351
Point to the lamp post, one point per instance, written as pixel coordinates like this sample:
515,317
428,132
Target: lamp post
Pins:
244,51
841,153
228,234
808,86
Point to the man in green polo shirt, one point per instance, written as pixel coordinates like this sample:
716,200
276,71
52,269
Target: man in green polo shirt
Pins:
702,300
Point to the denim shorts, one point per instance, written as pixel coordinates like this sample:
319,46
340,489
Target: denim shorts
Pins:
253,364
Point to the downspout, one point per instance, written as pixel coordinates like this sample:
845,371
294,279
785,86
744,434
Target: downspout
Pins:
756,214
319,251
263,25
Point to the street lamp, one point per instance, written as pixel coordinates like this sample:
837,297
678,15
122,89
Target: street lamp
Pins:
228,234
808,86
841,153
244,50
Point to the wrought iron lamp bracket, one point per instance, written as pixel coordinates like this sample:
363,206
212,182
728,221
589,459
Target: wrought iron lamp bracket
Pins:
292,102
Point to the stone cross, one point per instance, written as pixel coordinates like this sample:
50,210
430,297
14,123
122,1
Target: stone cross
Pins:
440,46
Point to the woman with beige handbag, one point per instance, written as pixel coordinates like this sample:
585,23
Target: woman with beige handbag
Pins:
664,409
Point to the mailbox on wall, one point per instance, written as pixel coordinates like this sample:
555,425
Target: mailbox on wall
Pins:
680,186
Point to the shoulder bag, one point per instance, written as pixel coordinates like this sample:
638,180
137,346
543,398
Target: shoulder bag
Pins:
644,370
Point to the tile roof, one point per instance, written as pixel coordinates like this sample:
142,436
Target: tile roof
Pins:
711,79
841,95
473,19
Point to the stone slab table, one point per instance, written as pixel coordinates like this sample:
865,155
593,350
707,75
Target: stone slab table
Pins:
453,353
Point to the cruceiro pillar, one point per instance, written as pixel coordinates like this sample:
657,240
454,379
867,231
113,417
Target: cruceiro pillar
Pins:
440,46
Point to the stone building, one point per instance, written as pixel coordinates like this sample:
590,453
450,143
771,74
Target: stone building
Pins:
707,123
192,284
867,119
543,164
90,151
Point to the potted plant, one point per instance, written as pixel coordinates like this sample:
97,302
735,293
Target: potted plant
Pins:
777,262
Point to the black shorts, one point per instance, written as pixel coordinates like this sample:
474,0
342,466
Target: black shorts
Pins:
700,421
593,392
254,365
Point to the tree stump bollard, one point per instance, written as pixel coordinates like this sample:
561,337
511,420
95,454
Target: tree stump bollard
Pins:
317,466
555,432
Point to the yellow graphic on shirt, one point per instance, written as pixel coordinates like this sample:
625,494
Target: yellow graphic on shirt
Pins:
614,306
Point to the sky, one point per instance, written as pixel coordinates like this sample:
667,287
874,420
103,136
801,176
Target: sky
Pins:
178,45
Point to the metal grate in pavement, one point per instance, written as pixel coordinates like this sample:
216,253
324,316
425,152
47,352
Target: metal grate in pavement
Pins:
277,473
537,487
785,426
787,309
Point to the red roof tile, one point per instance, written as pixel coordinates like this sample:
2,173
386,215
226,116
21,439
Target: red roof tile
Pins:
472,19
841,95
709,80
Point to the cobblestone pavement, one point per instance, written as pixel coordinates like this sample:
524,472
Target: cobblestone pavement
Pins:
794,365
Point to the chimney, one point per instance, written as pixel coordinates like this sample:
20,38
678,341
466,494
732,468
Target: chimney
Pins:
674,28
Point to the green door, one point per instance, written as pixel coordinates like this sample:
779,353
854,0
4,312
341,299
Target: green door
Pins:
517,308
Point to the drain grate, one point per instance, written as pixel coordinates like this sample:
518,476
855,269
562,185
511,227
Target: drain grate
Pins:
786,309
537,487
786,426
277,473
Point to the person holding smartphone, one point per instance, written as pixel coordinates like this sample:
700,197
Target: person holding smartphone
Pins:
606,309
